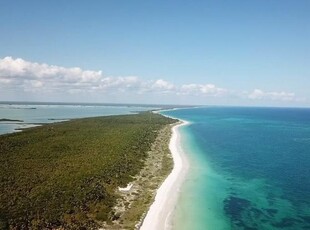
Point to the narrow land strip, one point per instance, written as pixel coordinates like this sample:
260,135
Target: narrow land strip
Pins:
161,211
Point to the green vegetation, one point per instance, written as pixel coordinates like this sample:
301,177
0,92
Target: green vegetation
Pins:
66,174
131,207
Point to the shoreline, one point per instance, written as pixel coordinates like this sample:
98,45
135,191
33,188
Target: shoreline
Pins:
160,212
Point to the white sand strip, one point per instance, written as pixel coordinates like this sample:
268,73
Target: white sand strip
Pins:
161,211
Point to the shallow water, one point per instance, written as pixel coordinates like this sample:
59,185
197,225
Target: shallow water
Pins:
249,169
32,114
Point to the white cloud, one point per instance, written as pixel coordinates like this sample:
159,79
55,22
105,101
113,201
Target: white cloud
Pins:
18,75
162,84
200,89
122,83
258,94
29,75
23,70
32,76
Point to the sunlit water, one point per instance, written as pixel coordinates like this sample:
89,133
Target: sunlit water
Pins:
35,114
250,169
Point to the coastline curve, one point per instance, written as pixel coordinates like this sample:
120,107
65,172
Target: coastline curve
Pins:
159,215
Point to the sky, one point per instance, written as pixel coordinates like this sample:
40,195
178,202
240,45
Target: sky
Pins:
230,52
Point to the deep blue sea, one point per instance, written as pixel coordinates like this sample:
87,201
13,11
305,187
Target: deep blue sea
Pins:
33,114
250,169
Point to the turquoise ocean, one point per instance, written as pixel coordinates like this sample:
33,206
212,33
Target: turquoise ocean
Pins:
249,169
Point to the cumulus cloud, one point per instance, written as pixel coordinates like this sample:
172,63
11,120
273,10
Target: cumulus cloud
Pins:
20,75
162,84
29,75
129,82
32,76
200,89
23,70
258,94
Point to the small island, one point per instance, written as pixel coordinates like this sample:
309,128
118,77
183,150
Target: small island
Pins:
58,119
88,173
11,120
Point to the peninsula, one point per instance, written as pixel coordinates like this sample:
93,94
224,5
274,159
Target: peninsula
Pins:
88,173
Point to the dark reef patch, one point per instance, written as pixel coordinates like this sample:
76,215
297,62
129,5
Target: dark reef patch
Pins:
286,222
245,214
271,211
234,206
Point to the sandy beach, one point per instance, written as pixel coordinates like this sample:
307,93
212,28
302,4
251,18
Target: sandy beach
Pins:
160,214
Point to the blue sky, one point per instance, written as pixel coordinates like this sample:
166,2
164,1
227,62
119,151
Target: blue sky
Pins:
183,52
